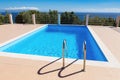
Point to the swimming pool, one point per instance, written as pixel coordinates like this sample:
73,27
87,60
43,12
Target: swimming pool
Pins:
48,40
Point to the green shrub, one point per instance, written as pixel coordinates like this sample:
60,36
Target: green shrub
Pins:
69,18
19,19
41,18
6,18
101,21
1,19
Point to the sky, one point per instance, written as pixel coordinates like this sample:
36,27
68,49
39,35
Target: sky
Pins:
62,5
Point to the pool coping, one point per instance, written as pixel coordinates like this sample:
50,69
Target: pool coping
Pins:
112,61
21,35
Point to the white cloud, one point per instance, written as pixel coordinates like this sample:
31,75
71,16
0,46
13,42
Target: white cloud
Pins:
74,9
22,8
112,9
97,10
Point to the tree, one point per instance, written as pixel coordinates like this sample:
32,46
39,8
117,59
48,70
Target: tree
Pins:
95,20
101,21
25,17
53,16
6,18
69,18
47,18
109,22
41,18
1,19
19,19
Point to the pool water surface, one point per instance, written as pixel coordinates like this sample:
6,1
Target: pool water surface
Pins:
48,41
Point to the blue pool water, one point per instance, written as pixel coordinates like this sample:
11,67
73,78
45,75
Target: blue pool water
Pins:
48,42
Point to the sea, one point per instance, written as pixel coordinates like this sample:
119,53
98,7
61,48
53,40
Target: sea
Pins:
81,15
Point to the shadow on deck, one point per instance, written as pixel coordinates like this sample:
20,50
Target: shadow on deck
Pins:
61,69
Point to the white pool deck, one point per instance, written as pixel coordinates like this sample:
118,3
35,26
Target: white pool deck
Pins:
25,68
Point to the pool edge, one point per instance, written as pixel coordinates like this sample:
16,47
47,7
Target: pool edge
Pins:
112,60
20,36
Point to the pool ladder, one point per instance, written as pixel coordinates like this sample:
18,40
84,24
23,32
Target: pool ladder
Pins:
84,51
63,54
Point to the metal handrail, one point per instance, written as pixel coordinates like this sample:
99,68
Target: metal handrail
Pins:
63,52
84,51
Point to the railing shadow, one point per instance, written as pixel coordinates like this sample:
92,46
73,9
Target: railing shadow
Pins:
59,74
59,69
41,73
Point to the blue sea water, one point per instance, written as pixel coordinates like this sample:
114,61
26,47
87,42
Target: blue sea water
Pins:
48,42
